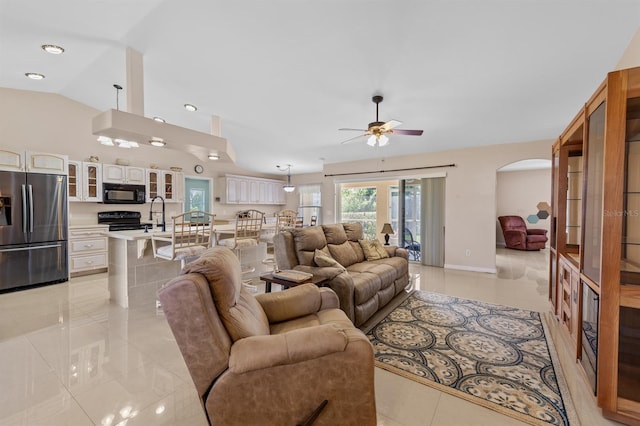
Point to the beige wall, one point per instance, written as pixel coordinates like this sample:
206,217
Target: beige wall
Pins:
52,123
470,205
518,193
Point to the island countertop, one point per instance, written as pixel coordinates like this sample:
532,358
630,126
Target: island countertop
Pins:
137,234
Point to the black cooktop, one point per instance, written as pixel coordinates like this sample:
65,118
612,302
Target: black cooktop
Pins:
121,220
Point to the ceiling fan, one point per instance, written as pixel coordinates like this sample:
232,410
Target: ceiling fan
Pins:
378,130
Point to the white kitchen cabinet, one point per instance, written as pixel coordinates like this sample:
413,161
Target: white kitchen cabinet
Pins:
113,173
74,180
88,250
249,190
84,181
33,162
166,184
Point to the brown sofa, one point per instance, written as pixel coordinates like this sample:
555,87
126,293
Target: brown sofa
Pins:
270,359
365,286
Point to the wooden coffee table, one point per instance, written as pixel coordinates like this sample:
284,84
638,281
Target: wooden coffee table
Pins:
269,278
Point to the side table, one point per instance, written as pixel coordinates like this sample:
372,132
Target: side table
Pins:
269,278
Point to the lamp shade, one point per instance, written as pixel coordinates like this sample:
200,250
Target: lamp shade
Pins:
387,229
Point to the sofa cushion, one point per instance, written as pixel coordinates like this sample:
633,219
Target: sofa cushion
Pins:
343,253
354,231
307,240
373,249
323,259
386,273
240,312
365,286
334,233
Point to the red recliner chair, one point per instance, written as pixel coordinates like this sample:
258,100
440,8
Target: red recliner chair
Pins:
518,237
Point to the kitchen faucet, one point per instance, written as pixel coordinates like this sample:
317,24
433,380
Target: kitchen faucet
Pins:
151,212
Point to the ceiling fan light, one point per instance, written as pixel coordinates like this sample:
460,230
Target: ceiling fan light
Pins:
383,140
371,141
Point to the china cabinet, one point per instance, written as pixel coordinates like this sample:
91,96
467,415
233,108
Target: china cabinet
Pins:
594,269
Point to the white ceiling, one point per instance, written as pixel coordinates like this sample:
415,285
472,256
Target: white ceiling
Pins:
284,75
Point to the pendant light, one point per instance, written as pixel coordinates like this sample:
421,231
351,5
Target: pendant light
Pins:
288,187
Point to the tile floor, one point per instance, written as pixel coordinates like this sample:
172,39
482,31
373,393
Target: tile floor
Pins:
69,357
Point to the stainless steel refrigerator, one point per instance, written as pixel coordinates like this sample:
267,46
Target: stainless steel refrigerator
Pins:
33,229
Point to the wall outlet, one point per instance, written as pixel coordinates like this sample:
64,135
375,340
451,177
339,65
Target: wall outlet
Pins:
467,252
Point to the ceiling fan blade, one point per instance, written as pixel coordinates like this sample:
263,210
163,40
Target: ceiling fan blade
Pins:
354,139
407,132
390,125
358,130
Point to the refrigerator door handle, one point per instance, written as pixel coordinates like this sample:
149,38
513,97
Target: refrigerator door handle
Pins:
24,208
30,248
30,208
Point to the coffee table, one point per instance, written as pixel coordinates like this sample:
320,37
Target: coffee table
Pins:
269,278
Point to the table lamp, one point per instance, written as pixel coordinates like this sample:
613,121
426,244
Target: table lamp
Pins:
386,230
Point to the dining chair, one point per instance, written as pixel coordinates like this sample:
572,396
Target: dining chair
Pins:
286,219
299,222
191,235
313,221
247,234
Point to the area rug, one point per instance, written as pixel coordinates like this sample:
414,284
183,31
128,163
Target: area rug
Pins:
495,356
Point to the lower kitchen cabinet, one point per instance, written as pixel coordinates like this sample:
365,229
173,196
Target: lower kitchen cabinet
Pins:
88,250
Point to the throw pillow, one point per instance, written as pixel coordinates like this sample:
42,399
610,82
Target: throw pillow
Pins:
373,249
323,259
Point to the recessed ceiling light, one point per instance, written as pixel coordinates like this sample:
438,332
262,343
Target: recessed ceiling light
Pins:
214,157
157,142
52,48
190,107
160,119
34,75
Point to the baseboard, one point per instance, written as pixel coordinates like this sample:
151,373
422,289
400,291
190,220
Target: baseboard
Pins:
471,268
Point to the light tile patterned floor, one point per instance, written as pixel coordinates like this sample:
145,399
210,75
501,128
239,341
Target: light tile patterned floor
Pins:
69,357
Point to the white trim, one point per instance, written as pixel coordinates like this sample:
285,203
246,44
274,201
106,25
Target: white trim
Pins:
471,268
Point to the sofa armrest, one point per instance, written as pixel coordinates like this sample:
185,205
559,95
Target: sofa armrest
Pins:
537,231
258,352
395,251
296,302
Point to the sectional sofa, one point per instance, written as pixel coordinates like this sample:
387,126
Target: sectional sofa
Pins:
363,282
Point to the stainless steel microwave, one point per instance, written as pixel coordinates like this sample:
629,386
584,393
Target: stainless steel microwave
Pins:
120,193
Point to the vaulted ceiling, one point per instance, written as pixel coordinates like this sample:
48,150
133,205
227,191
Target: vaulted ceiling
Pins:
285,75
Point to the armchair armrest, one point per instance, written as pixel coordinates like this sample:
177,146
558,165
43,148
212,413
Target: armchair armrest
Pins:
514,237
296,302
258,352
537,231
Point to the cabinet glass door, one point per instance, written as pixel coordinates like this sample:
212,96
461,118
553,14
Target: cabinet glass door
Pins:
74,187
92,181
592,248
574,200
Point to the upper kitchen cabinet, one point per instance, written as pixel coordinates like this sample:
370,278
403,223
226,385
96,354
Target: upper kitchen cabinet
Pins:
166,184
113,173
33,162
249,190
85,181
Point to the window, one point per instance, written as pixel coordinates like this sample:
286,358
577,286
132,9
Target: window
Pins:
310,202
358,204
197,195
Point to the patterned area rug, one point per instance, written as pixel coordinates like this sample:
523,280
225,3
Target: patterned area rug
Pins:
495,356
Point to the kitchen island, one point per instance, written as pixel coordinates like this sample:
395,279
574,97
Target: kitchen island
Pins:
134,274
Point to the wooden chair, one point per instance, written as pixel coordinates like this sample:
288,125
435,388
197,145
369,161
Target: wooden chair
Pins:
286,220
299,222
191,235
314,221
247,234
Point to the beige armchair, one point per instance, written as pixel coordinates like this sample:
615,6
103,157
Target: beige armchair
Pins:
272,358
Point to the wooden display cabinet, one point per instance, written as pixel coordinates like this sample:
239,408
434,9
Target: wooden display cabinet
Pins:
596,290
